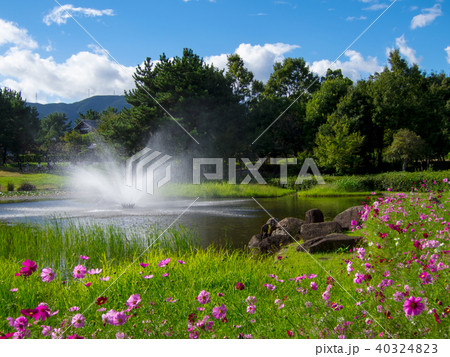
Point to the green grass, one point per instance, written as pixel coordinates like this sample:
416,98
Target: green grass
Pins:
222,190
330,190
42,181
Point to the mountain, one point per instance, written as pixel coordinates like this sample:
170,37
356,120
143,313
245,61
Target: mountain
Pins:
98,103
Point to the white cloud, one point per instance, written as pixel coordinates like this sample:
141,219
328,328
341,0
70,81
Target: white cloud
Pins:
426,17
376,7
11,33
258,59
59,14
448,53
352,18
354,68
405,50
28,72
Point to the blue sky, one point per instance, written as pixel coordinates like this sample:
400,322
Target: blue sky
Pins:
43,52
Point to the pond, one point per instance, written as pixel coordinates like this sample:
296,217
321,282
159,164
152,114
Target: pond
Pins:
222,222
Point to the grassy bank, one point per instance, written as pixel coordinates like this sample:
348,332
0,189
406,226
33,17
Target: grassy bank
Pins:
222,190
365,294
364,185
42,181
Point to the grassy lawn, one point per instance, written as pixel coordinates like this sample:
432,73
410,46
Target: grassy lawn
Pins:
330,190
42,181
222,190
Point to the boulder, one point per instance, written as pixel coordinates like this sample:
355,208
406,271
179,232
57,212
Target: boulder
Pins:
268,228
289,226
313,230
274,243
255,241
314,215
351,214
328,243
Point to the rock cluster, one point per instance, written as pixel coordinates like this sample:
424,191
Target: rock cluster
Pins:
314,234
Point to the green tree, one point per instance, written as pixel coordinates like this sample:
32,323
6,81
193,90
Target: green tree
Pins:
198,96
240,77
53,128
407,146
337,147
291,78
325,100
19,124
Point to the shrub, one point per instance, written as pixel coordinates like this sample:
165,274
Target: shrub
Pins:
10,186
27,187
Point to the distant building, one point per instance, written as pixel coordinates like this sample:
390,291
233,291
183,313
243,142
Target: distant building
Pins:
86,126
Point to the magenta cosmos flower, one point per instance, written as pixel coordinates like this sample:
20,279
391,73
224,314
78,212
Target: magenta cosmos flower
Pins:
133,301
164,262
79,272
47,275
219,312
240,286
78,321
29,267
204,297
270,286
83,257
413,306
94,271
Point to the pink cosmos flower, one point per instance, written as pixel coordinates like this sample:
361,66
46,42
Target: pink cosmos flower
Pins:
78,321
279,302
79,272
121,336
200,308
88,284
133,301
193,335
164,262
115,318
83,257
94,271
21,323
144,265
165,275
219,312
204,297
29,267
313,285
270,286
101,309
46,330
75,337
171,299
74,308
181,262
240,286
148,276
251,309
106,278
251,300
311,276
14,290
413,306
47,275
308,304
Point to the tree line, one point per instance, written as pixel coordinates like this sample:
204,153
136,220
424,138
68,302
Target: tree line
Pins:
394,118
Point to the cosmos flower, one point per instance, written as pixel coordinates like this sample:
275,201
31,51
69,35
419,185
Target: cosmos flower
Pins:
78,321
204,297
219,312
101,300
164,262
47,275
79,272
240,286
413,306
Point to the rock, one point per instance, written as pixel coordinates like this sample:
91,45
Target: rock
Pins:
314,215
313,230
351,214
328,243
268,228
255,241
291,225
273,243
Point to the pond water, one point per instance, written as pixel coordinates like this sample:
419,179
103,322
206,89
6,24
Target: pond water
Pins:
221,222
